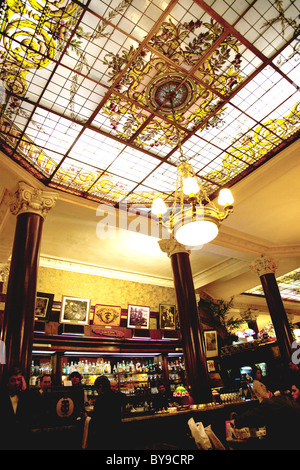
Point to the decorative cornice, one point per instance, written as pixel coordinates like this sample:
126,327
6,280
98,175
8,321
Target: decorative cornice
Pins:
28,199
264,265
72,266
172,246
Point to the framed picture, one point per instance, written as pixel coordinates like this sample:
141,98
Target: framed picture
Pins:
138,316
211,365
74,310
43,306
211,343
167,320
109,315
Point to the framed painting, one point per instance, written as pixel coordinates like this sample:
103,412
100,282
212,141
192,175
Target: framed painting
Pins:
107,315
167,320
138,316
211,343
43,306
74,310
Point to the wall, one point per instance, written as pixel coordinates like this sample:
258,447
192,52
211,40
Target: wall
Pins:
103,290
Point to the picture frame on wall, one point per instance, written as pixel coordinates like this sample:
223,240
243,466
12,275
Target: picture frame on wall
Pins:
167,317
138,316
74,310
211,343
107,315
43,306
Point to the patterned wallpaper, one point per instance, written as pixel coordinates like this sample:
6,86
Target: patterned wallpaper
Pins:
103,290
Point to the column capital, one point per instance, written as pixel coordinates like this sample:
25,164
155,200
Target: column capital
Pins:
264,265
249,314
4,272
28,199
172,246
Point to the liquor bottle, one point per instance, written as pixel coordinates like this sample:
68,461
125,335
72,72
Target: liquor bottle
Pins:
86,368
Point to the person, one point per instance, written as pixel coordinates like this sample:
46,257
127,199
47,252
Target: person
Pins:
161,399
105,424
122,397
259,388
45,384
42,410
280,415
15,412
295,388
78,394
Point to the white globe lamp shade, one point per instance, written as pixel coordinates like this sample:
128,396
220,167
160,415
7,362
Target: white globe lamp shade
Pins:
196,233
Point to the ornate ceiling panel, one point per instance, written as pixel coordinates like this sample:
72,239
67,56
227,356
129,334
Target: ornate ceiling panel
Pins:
85,91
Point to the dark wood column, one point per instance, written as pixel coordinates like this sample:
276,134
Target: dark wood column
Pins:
265,268
30,206
192,334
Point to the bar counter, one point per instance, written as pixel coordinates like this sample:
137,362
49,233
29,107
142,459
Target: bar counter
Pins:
170,429
159,430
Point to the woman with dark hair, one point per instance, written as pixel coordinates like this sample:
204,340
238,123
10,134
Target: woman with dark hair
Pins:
105,425
295,387
259,388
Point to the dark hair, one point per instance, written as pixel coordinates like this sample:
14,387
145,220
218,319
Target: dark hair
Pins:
10,373
254,370
104,382
75,374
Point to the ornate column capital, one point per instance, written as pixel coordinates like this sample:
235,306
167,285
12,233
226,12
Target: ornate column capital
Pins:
4,272
249,314
28,199
264,265
172,246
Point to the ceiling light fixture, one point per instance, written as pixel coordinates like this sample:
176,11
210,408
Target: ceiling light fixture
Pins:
193,218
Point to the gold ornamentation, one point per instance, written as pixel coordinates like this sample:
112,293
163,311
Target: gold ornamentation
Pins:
264,265
32,200
172,246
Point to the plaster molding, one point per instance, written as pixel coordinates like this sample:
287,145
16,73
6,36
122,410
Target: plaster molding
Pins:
28,199
73,266
172,246
264,265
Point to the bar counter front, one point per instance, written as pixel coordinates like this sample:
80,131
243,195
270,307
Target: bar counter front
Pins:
163,430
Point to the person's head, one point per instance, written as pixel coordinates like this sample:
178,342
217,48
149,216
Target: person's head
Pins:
256,373
14,381
102,384
75,378
114,385
295,388
45,383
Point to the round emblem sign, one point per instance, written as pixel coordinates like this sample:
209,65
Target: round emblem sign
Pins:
65,407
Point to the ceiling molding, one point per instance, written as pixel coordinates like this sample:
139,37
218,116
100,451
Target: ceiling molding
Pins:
229,267
73,266
241,242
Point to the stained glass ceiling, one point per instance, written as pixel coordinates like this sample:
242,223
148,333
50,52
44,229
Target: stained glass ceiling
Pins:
288,285
85,91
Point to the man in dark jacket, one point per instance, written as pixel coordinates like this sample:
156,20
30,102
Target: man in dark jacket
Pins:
15,413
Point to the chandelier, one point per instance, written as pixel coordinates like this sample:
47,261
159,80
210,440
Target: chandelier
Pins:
193,219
